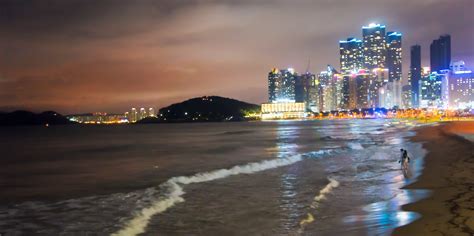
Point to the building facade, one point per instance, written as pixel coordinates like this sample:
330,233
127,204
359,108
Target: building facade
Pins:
374,45
459,91
415,75
431,89
281,85
351,55
394,56
440,53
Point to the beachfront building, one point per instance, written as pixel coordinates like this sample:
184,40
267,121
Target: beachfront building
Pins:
281,85
351,55
440,53
406,97
287,91
414,77
458,89
374,46
306,90
330,87
394,56
431,89
283,110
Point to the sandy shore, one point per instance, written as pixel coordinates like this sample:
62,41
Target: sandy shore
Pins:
449,174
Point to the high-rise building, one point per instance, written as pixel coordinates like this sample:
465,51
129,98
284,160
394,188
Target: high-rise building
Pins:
281,85
285,87
374,46
351,55
440,53
394,56
415,75
330,89
306,91
274,83
288,85
406,96
458,92
431,89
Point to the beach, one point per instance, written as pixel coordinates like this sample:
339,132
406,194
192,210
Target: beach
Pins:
448,174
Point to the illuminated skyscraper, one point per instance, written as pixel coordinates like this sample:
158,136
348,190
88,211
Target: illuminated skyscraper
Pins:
306,90
284,88
374,46
351,55
274,82
440,53
406,96
281,85
394,56
287,92
460,87
415,75
430,90
330,89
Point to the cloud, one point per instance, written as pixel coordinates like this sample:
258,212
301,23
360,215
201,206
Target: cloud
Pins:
83,55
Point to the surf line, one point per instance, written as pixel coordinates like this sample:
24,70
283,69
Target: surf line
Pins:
316,201
174,190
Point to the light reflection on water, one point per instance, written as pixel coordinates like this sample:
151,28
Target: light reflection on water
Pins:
382,217
288,204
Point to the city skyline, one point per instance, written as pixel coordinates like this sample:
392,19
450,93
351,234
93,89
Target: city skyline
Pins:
179,59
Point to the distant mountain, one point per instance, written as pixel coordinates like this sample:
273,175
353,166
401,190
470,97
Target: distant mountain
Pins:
30,118
203,109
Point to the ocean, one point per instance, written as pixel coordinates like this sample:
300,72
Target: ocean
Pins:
328,177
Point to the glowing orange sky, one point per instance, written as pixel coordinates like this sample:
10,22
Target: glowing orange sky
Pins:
85,56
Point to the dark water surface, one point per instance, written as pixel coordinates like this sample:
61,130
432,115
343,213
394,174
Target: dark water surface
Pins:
256,178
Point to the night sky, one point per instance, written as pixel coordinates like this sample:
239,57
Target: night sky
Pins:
76,56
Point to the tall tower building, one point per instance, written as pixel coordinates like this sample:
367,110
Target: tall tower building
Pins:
415,75
287,91
440,53
394,56
281,85
306,90
374,46
351,56
274,81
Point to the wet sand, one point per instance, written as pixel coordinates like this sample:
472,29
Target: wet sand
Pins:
449,174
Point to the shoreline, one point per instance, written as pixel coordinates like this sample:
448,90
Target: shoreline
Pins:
448,174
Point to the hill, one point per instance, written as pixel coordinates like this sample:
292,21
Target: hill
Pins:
30,118
204,109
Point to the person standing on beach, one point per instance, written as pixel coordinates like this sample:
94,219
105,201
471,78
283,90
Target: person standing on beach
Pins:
404,160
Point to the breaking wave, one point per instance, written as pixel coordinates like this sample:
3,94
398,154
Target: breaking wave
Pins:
174,189
326,190
355,146
337,138
317,199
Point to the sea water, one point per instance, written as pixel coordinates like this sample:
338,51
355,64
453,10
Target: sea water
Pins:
273,178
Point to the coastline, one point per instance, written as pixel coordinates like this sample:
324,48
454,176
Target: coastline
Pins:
448,170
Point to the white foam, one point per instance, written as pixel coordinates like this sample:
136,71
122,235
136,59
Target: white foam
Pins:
355,146
326,190
174,190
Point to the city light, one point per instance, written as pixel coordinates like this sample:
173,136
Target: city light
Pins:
370,77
